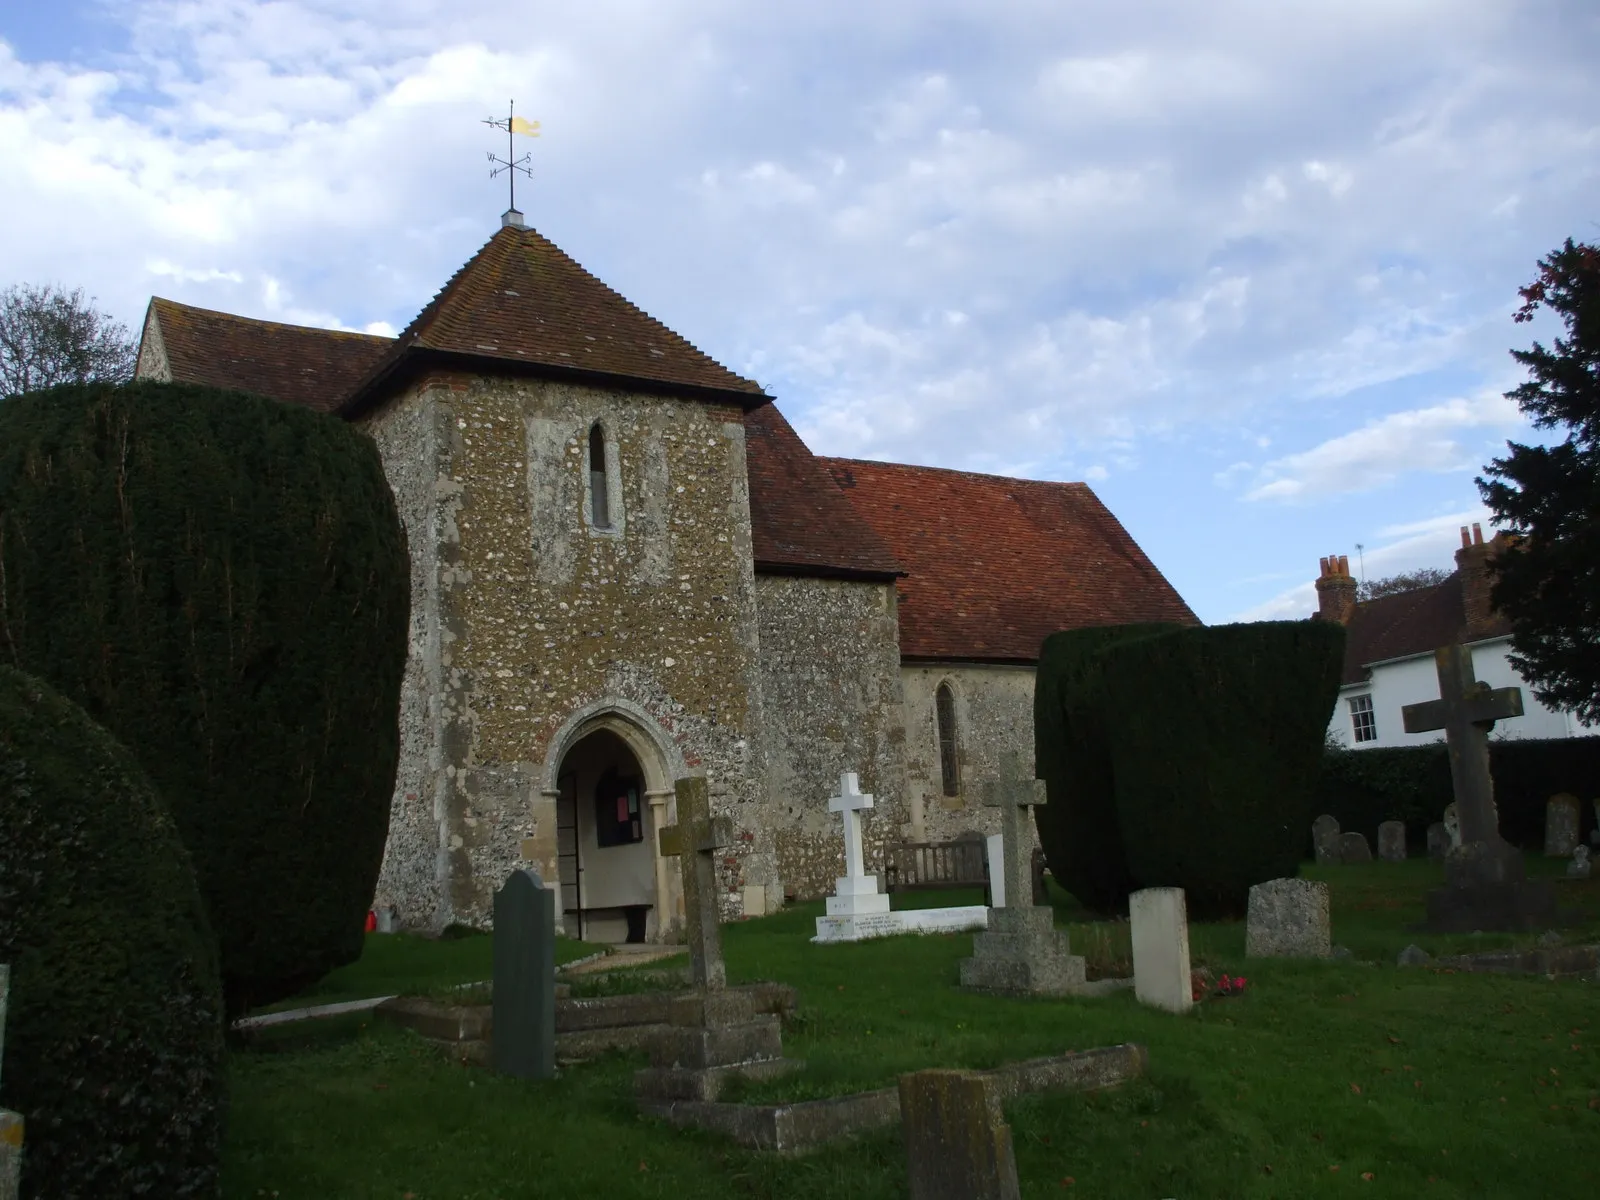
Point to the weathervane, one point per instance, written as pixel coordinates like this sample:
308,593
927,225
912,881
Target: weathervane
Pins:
512,124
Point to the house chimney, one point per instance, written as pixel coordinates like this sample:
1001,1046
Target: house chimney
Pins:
1336,590
1472,561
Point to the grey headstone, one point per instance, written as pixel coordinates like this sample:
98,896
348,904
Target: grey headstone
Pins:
958,1146
1325,839
1414,956
386,922
1287,918
1353,848
524,1038
693,840
1392,841
1452,825
1438,841
1580,866
1561,825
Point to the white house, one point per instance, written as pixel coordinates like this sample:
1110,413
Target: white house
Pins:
1389,649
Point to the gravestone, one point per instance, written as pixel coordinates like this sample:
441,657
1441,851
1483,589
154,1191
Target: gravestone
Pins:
1353,848
1021,953
715,1034
996,847
1287,918
1438,841
856,893
523,1043
958,1145
1452,825
1561,814
1392,841
11,1125
1325,839
857,910
1579,867
1486,884
1159,921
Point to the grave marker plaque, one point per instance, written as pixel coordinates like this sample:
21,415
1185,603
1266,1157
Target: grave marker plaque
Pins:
958,1145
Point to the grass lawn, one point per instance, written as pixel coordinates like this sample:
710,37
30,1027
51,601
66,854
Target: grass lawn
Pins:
1331,1078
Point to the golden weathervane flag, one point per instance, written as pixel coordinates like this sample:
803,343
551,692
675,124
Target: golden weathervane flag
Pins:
524,126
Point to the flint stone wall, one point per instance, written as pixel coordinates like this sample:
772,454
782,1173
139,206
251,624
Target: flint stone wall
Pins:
994,717
528,614
830,679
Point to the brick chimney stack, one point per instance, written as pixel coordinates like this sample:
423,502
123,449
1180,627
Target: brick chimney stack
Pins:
1472,560
1336,590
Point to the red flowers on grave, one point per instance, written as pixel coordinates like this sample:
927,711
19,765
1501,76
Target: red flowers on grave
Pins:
1200,985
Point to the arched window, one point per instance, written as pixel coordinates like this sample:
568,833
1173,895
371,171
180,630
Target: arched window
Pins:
599,505
944,712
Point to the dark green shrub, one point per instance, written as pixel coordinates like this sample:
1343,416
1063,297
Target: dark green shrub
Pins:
221,581
1412,784
1078,828
1216,741
113,1047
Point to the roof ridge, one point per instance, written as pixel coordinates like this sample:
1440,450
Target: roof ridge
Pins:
876,462
217,312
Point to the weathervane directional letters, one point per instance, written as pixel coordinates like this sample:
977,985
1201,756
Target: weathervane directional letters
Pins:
511,164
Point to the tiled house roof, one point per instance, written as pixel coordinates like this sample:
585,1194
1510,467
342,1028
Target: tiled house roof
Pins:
996,565
800,521
312,367
521,302
1411,623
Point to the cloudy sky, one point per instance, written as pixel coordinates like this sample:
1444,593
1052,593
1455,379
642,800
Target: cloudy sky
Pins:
1247,266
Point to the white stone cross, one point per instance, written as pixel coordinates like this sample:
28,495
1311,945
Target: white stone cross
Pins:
857,893
850,802
1013,796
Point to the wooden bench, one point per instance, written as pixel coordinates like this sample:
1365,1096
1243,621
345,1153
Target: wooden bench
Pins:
928,866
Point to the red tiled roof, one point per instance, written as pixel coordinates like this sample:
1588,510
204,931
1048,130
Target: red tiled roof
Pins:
312,367
996,565
520,300
800,522
1410,623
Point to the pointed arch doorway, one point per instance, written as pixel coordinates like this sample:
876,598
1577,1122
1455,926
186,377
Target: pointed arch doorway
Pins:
609,776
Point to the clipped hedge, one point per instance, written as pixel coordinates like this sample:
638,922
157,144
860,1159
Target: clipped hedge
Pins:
1216,745
222,581
1078,828
1412,784
113,1046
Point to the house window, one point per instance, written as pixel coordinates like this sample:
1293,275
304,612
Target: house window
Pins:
944,713
617,819
599,504
1362,719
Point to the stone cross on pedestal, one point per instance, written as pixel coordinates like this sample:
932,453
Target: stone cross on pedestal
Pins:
693,840
1486,886
1466,710
850,802
1014,795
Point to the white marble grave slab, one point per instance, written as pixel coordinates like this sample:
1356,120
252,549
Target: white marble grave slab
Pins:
911,920
1160,922
997,870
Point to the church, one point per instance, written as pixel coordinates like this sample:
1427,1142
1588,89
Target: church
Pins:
626,567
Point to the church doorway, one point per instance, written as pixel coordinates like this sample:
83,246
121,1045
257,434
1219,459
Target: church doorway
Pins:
605,842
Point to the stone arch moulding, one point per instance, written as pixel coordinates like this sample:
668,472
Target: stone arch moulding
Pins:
658,755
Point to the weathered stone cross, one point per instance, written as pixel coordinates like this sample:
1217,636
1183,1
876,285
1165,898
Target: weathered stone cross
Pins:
693,840
1466,710
1014,794
850,802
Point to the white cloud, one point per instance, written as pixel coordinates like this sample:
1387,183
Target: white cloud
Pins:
1424,439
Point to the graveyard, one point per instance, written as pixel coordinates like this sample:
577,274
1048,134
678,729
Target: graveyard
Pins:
1320,1076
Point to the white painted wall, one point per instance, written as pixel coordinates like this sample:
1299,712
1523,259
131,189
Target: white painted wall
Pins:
1413,680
